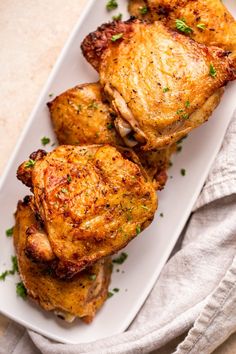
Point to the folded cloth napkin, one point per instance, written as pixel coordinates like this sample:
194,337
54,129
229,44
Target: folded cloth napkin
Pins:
195,292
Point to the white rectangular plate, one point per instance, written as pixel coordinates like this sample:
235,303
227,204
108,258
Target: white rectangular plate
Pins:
148,252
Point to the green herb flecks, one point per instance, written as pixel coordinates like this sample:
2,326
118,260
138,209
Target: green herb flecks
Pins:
212,71
21,290
187,104
45,140
182,26
161,215
111,5
11,271
69,179
117,17
110,126
183,172
121,258
30,163
138,230
116,37
93,105
165,89
109,294
9,232
179,148
64,190
201,26
143,10
116,290
92,277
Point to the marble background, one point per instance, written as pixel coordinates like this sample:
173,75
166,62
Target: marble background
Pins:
31,38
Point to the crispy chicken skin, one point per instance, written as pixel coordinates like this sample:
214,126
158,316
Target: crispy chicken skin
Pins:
80,297
156,79
91,200
80,116
209,20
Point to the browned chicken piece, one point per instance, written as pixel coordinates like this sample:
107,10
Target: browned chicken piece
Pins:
92,200
206,21
80,116
81,297
161,83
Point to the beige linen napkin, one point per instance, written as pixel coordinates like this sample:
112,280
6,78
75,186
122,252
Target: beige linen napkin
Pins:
196,289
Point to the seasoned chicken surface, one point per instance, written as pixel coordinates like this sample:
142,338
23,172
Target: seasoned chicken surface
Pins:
208,21
80,297
92,201
80,116
161,83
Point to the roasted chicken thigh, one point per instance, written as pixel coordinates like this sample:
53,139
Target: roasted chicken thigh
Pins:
160,83
206,21
81,116
80,297
92,200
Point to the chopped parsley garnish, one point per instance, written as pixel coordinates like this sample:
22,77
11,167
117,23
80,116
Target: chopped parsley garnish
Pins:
212,71
143,10
92,277
166,89
110,126
116,290
69,179
179,148
138,230
9,232
79,108
129,217
144,207
21,290
111,5
161,215
11,271
93,105
183,172
185,116
45,140
109,294
121,258
29,163
14,265
187,104
50,94
117,17
64,190
201,26
117,36
182,26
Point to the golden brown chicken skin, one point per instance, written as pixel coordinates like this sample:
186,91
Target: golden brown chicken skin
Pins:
91,200
208,21
80,297
81,116
161,83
